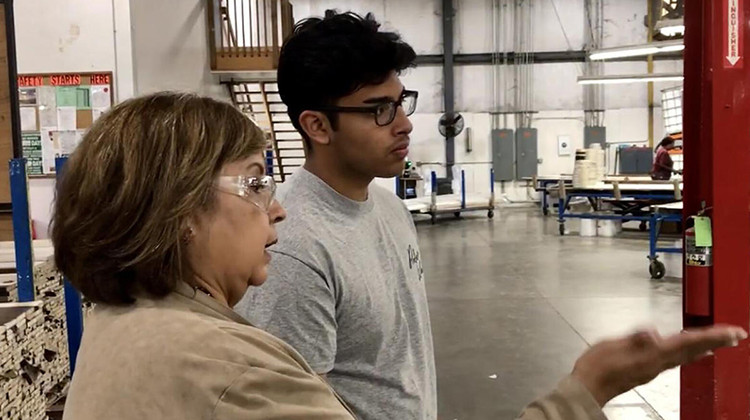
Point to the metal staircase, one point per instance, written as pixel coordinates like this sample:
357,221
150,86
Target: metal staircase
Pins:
260,101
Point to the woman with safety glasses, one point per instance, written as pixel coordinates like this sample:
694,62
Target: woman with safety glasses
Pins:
163,217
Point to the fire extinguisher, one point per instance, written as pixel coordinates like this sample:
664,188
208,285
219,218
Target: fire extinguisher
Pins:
698,262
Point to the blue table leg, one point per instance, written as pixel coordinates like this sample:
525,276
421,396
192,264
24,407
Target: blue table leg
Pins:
73,309
22,230
561,205
652,236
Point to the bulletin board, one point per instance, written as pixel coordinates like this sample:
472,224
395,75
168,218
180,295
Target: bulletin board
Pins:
56,110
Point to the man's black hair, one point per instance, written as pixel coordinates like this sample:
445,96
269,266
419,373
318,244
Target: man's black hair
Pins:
327,59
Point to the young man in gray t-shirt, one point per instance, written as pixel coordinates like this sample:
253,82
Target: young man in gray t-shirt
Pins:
346,286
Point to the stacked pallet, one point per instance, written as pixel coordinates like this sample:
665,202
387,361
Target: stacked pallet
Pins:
8,290
48,288
22,361
48,284
43,253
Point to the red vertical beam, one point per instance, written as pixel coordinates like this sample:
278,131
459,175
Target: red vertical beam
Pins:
716,123
696,384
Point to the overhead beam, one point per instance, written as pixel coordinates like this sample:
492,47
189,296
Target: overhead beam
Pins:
543,57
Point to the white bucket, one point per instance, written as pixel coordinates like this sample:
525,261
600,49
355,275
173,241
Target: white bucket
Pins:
596,154
609,228
585,174
588,228
606,207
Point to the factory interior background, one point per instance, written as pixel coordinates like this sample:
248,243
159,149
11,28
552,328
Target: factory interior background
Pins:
517,119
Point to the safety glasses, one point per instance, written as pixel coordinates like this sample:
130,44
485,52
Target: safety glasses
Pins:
259,191
384,112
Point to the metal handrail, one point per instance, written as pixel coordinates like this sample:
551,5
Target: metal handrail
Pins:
246,35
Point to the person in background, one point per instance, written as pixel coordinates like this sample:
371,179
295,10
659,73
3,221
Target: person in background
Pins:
663,166
162,218
346,286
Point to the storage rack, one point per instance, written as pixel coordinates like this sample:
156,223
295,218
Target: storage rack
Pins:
24,254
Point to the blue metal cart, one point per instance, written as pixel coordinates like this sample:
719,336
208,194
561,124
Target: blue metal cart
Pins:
631,201
661,213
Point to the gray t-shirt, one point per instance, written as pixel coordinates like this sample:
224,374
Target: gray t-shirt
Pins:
346,289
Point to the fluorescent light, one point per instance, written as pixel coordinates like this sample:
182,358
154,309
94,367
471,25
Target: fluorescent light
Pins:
630,78
637,50
604,55
673,30
671,27
672,48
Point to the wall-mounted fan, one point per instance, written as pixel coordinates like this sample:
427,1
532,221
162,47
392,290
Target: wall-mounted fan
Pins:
451,124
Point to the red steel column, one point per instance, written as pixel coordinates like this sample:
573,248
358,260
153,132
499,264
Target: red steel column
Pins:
716,125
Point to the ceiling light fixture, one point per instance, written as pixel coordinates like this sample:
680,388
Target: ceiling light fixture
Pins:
671,27
672,30
630,78
637,50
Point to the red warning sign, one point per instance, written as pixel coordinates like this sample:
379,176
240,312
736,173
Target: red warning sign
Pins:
733,34
65,80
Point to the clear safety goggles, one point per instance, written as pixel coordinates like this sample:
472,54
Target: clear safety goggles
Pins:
260,191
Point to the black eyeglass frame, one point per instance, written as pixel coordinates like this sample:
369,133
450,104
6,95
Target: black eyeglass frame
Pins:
374,108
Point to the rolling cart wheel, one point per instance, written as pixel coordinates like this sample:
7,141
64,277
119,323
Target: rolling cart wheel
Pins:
643,226
562,229
457,214
491,214
545,212
433,219
657,270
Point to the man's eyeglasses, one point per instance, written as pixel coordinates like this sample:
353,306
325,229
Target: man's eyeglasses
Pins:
259,191
384,112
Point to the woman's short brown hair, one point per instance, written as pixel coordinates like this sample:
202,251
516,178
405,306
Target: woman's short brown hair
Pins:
126,192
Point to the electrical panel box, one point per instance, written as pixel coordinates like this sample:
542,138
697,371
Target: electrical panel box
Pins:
635,160
527,162
503,155
593,135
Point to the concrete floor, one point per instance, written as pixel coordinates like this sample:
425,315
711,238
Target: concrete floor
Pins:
513,304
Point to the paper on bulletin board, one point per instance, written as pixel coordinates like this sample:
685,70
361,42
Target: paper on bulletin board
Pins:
66,142
66,118
27,96
47,96
47,118
57,144
48,152
97,112
47,107
67,96
83,97
101,97
32,151
79,137
28,118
